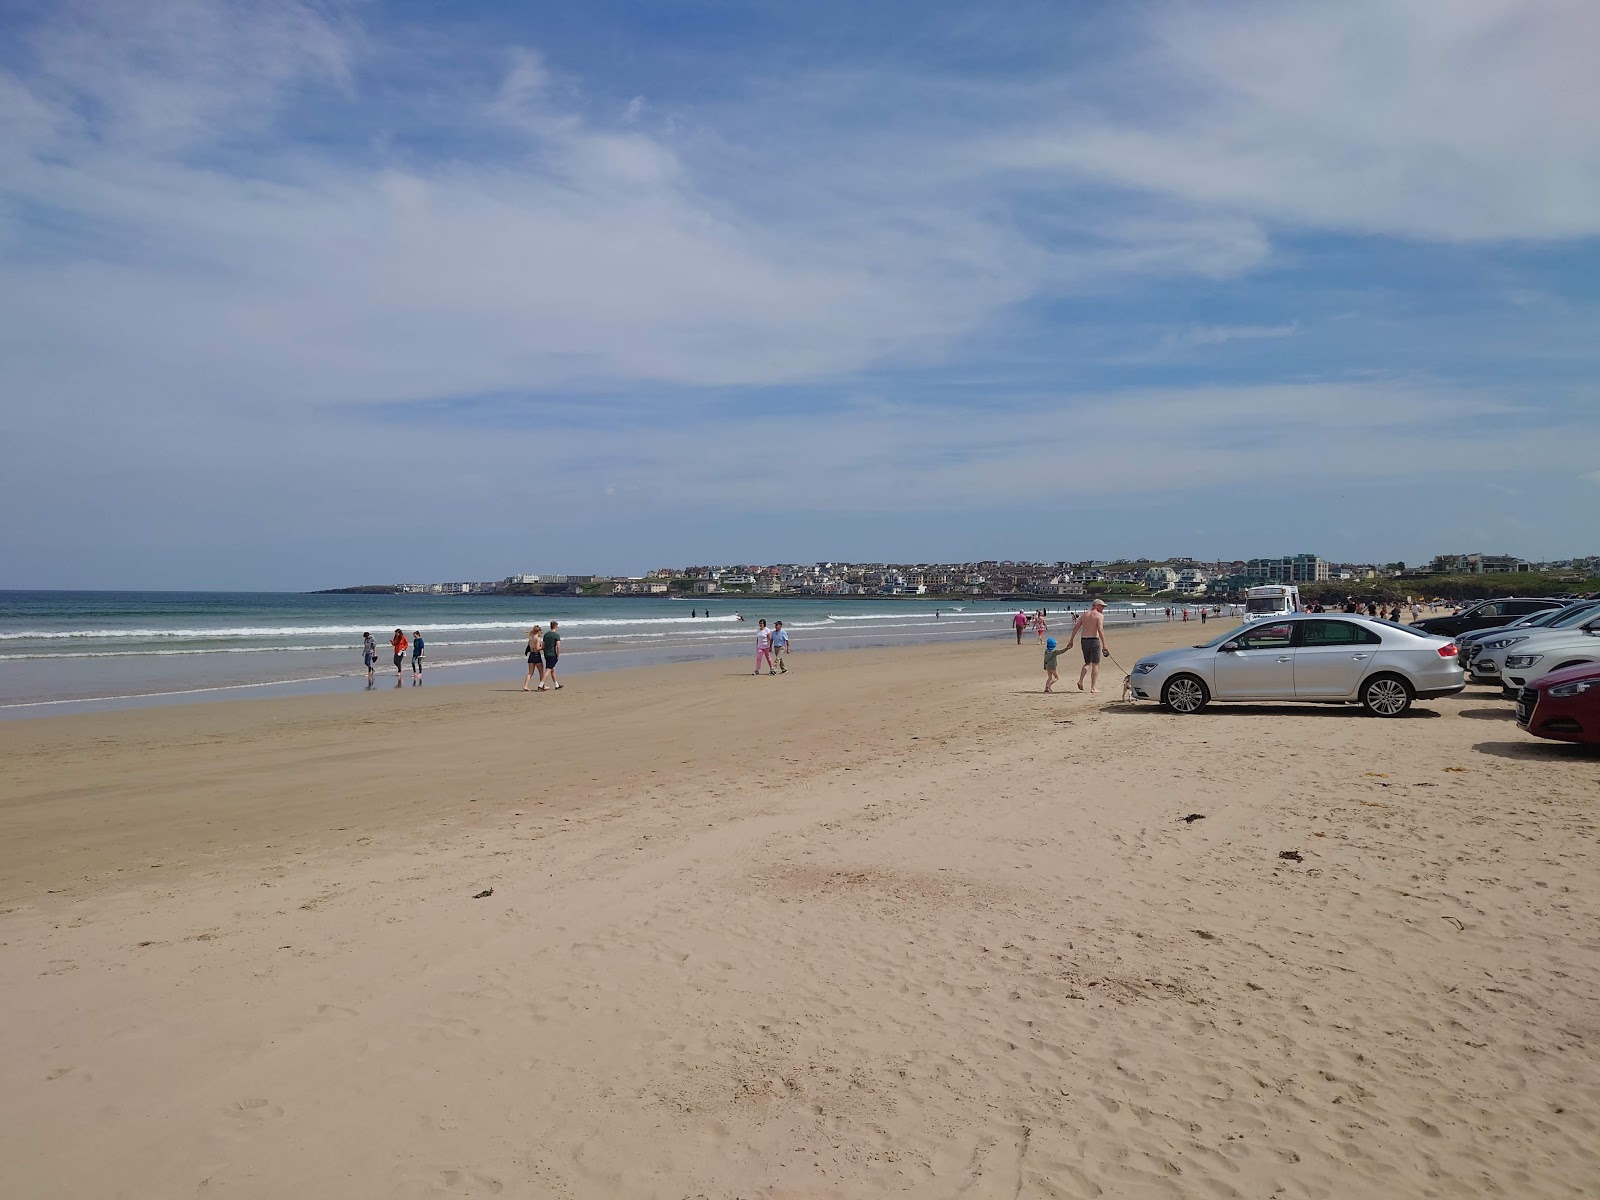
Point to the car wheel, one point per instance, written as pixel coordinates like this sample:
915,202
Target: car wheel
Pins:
1184,694
1386,696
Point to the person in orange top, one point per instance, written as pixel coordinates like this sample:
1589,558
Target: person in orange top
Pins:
398,641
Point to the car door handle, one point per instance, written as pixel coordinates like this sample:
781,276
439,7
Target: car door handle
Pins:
1359,657
1286,658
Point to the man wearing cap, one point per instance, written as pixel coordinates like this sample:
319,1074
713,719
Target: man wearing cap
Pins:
1091,627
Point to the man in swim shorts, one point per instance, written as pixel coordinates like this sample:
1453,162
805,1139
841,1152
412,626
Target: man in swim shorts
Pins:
1091,628
552,651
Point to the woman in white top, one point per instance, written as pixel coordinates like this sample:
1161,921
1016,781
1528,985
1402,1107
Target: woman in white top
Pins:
763,648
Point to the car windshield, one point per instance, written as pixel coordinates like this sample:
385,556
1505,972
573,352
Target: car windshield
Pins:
1566,618
1538,618
1220,638
1266,604
1411,629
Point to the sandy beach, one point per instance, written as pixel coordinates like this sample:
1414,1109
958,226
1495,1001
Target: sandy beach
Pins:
896,923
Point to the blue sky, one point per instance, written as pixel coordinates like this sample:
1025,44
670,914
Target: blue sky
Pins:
297,295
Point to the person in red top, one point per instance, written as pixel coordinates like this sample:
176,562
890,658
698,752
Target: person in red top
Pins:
398,641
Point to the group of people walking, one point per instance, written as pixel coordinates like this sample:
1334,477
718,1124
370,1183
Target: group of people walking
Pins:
399,643
772,647
1089,631
543,652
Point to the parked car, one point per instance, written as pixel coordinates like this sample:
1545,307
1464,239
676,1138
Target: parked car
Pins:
1564,705
1550,650
1486,614
1309,657
1482,652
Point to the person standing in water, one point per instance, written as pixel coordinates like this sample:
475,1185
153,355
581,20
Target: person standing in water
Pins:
369,654
398,641
763,647
552,651
534,651
780,646
1091,627
416,655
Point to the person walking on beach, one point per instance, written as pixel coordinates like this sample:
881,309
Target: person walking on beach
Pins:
1039,626
780,646
1050,656
534,651
398,641
1019,623
763,647
1090,627
369,654
416,655
552,651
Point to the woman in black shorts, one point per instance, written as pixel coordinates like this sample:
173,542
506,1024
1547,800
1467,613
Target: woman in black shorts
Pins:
535,654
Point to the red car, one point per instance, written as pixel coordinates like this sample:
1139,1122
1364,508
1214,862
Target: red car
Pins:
1564,705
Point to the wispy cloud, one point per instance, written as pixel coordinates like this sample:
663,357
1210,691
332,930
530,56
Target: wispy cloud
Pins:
1435,119
1221,335
242,240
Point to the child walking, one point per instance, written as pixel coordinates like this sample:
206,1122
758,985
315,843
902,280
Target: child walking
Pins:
1050,656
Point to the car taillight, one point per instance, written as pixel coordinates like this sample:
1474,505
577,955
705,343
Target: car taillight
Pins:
1449,651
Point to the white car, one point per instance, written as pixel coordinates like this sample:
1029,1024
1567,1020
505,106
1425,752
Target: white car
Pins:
1488,664
1549,651
1308,657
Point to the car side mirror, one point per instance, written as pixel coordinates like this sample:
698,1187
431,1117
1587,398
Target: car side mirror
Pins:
1230,647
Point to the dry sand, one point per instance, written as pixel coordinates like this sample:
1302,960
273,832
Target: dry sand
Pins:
894,924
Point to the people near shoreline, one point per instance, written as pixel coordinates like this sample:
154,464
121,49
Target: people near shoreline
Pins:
552,652
416,655
1039,626
369,654
780,646
1019,623
534,652
398,641
1090,629
763,648
1051,654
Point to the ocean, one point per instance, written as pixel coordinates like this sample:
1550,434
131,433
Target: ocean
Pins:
73,651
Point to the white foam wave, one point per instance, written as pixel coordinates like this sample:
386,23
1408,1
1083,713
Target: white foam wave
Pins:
349,631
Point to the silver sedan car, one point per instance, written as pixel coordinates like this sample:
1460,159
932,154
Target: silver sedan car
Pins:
1309,657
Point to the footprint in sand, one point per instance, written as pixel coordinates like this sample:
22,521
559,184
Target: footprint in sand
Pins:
253,1109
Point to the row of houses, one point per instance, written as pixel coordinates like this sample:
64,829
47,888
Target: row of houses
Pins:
1182,576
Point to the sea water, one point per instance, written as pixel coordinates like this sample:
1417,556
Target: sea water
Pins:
68,651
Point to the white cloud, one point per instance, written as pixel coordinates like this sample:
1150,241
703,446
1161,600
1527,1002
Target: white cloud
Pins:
206,258
1220,335
1434,119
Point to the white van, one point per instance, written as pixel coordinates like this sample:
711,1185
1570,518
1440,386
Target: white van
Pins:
1271,600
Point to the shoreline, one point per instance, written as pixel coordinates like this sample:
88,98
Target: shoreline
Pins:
487,670
897,923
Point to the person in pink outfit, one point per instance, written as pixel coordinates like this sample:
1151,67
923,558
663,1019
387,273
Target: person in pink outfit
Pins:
763,648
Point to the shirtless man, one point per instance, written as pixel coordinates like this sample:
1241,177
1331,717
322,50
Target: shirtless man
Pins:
1091,627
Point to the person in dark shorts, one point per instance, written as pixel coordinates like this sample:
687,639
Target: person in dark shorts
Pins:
416,654
1090,628
552,651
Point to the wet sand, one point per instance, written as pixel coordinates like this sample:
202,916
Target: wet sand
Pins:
897,923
